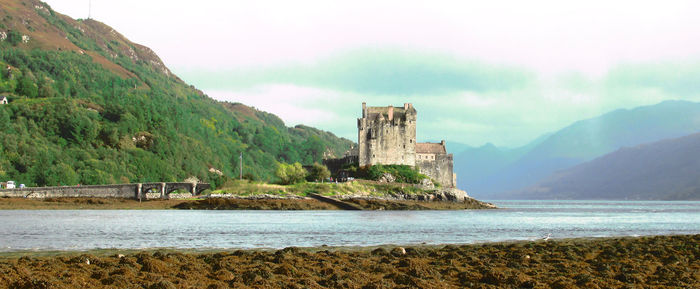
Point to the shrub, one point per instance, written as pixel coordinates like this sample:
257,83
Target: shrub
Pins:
217,181
319,172
14,37
290,174
402,173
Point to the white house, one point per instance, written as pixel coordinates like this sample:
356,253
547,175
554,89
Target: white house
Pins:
3,100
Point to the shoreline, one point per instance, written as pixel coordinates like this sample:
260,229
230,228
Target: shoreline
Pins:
232,204
358,248
611,262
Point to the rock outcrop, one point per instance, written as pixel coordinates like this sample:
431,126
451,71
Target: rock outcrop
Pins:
439,195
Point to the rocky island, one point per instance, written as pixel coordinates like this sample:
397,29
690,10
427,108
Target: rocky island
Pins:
247,195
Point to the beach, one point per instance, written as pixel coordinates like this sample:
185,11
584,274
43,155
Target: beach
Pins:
620,262
230,204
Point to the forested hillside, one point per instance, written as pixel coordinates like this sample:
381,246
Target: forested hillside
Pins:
87,106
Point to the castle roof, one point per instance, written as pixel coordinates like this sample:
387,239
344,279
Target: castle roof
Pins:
387,112
430,148
374,112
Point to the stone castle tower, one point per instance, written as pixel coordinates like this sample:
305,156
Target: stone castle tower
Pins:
387,135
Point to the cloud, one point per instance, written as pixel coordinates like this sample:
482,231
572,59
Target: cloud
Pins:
377,72
295,103
457,100
681,79
478,71
546,36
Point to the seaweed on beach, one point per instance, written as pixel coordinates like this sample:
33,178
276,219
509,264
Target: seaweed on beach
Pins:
643,262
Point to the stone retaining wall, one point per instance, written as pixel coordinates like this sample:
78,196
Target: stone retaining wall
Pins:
108,191
179,196
128,191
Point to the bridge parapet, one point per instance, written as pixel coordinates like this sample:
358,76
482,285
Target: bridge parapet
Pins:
128,191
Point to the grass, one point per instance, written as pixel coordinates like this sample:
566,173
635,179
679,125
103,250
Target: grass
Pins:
357,187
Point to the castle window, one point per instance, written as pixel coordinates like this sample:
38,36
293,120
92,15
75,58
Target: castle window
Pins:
404,146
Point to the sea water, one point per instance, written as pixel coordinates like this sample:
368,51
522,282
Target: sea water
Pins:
517,220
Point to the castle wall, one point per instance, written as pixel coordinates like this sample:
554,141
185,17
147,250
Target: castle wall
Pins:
440,169
387,136
389,143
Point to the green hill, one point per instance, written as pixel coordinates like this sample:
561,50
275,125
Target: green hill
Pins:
87,106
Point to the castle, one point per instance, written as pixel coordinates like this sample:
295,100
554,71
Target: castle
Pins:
387,135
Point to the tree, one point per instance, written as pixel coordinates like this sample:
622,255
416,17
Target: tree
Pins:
14,37
290,174
27,87
314,148
146,128
4,119
319,172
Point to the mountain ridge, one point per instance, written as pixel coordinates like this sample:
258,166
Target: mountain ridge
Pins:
664,170
584,140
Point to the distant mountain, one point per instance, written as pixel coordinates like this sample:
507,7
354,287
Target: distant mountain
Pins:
474,165
456,148
663,170
496,172
88,106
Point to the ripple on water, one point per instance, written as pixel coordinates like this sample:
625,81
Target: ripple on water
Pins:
523,220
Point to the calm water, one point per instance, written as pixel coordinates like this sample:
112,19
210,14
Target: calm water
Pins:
522,220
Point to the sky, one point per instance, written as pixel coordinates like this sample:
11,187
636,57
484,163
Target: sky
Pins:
501,72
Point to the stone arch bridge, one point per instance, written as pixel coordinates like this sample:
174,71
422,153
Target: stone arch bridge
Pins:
137,191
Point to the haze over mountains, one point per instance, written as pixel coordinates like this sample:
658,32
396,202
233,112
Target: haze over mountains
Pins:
663,170
491,172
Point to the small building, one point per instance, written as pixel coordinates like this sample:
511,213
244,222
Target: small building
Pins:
433,160
3,100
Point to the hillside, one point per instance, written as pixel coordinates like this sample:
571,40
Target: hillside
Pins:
581,142
664,170
88,106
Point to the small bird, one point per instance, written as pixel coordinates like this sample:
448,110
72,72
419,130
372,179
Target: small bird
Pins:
547,237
